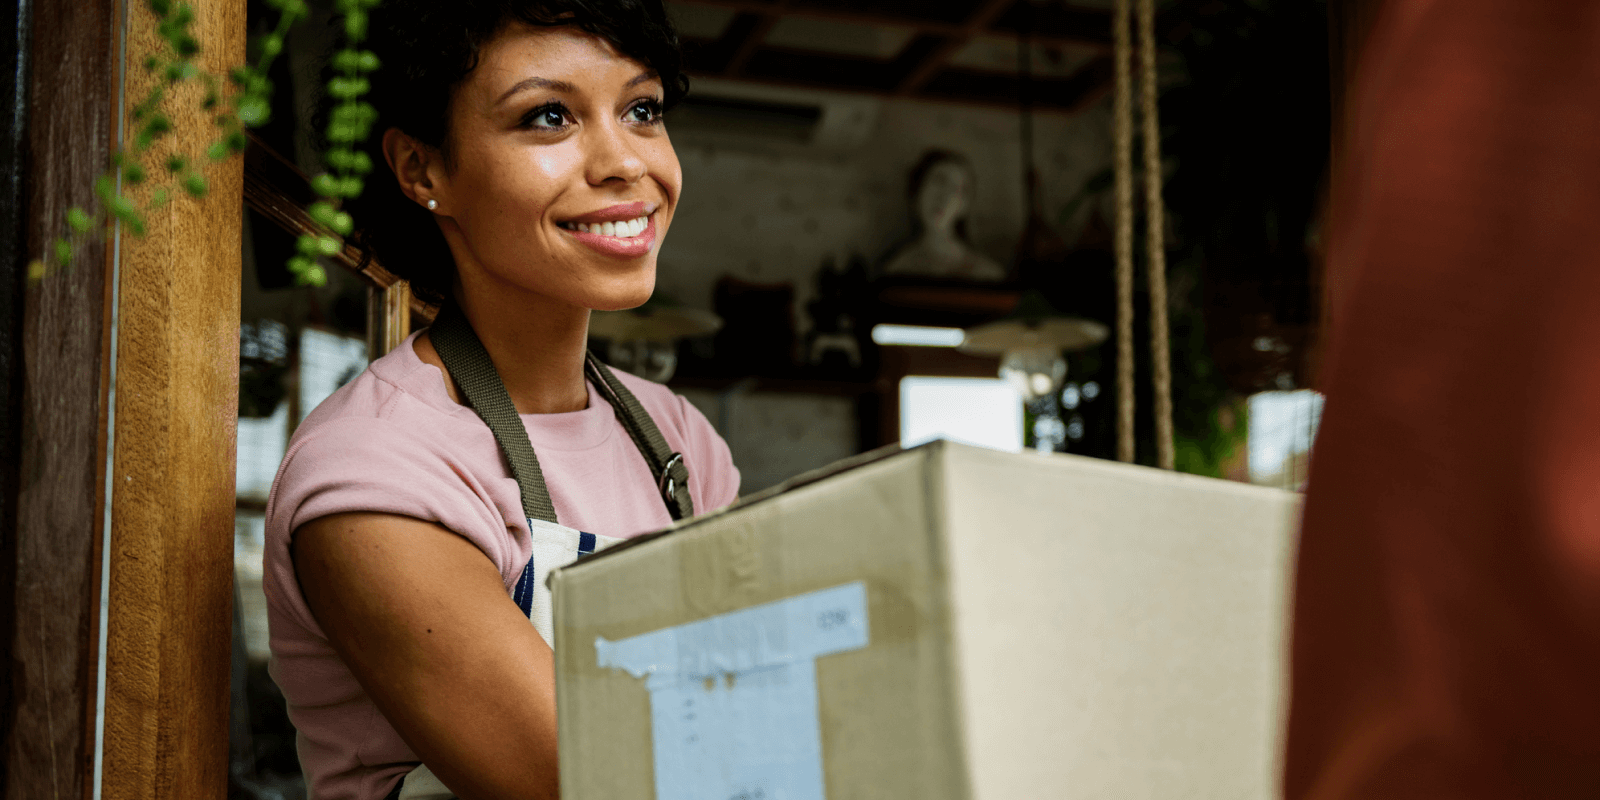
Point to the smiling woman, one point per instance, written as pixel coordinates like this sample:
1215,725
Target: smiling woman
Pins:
419,507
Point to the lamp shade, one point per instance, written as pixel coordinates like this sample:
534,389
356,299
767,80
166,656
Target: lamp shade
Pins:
1056,333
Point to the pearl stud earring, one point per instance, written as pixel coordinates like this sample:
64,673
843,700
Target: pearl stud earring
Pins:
432,204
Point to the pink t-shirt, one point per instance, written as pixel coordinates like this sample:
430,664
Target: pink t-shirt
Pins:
392,441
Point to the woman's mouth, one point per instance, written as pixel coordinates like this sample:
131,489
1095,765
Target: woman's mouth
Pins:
629,237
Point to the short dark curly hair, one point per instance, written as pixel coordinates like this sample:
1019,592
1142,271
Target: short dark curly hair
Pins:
427,48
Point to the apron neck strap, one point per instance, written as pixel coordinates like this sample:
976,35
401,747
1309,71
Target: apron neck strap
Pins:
469,364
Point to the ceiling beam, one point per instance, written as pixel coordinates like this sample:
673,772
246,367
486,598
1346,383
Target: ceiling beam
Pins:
1095,40
754,38
979,21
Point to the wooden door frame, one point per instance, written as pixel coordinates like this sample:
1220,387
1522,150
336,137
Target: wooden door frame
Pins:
57,137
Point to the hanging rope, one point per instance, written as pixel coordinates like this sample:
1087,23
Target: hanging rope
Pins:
1155,242
1123,136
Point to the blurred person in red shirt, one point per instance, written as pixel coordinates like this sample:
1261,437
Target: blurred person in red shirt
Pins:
1447,613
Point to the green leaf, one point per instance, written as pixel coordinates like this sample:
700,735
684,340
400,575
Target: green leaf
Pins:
218,150
350,187
369,61
328,246
355,25
79,220
254,112
347,60
133,173
176,163
186,45
158,124
63,252
341,134
158,198
306,244
105,188
323,213
342,223
325,185
123,209
237,141
299,264
360,163
161,7
151,63
195,184
271,45
315,276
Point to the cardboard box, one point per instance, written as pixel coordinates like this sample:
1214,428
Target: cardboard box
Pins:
944,622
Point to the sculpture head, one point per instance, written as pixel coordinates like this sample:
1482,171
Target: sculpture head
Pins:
940,190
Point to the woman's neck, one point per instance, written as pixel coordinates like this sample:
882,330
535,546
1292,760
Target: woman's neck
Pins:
537,345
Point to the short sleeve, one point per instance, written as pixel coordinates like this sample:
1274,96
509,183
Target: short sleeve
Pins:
714,480
373,465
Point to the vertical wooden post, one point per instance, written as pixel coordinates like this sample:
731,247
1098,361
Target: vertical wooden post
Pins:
172,482
60,96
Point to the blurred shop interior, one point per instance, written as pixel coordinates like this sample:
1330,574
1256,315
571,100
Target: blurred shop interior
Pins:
871,188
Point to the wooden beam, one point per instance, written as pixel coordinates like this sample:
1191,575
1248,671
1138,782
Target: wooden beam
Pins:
172,462
753,39
277,190
920,25
935,61
60,95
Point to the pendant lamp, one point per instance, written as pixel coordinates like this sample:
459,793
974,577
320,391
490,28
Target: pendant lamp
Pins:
644,340
1030,343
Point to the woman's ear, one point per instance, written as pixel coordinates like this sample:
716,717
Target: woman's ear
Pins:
416,167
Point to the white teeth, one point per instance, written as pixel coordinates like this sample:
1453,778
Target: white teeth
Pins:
626,229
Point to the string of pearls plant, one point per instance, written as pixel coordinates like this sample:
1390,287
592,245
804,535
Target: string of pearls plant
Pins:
247,105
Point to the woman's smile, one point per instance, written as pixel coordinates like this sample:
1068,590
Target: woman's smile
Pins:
625,230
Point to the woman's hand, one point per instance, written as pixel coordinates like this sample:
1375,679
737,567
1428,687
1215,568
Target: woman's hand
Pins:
424,622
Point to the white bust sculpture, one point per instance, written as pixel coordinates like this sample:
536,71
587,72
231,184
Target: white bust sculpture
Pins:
941,194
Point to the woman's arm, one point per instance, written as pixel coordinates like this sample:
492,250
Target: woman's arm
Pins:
424,622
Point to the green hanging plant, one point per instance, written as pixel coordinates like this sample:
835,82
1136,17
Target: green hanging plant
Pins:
247,105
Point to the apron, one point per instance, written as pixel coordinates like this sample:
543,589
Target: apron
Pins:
554,545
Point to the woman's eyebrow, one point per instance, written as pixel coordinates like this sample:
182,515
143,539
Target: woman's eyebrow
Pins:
538,83
643,77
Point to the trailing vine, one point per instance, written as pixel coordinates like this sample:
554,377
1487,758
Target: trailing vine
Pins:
248,104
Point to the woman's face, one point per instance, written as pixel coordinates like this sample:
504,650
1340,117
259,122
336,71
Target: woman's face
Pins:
560,179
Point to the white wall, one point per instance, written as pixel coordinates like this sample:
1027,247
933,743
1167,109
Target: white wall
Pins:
772,211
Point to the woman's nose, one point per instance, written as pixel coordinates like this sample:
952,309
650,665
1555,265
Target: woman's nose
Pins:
613,156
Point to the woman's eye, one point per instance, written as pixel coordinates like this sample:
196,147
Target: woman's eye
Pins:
647,112
546,117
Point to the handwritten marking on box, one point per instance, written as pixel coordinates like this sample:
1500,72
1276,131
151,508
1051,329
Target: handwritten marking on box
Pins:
733,698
